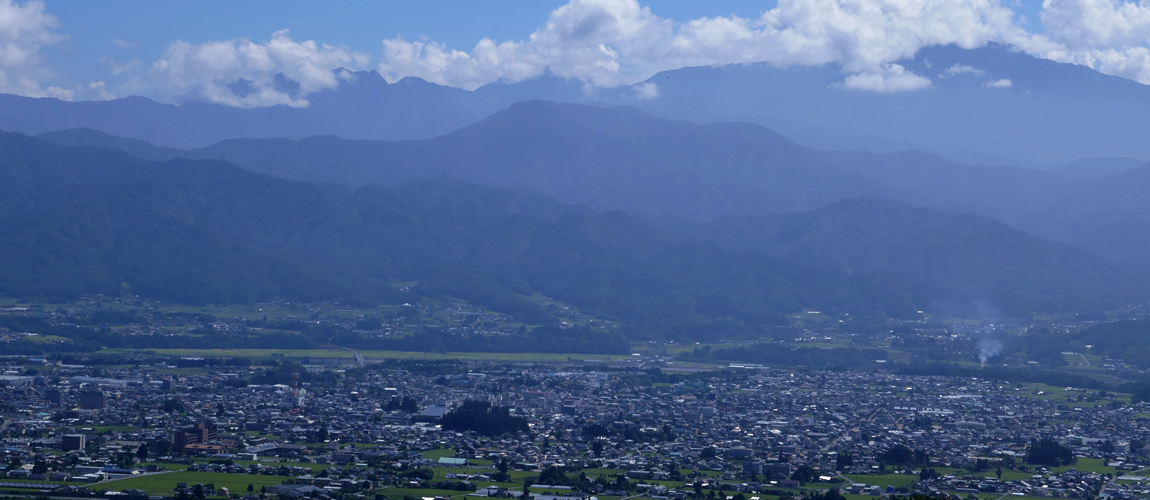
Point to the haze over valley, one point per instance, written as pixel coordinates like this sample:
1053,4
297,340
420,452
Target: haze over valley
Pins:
790,250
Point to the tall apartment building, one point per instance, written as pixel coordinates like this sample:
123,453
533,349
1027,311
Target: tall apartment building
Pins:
199,433
92,400
71,442
53,396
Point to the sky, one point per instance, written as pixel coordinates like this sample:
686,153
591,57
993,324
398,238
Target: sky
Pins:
197,51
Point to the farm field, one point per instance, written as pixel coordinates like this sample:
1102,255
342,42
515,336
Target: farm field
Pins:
373,355
164,483
896,480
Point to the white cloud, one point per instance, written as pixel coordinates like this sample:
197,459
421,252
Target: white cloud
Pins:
209,71
1110,36
124,44
1003,83
120,68
607,43
963,69
96,91
30,88
892,78
26,29
646,90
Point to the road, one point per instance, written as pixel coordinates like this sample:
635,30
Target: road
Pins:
358,358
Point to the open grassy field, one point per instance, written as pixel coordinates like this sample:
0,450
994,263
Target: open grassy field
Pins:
47,484
241,353
1088,465
399,493
163,484
896,480
513,357
437,454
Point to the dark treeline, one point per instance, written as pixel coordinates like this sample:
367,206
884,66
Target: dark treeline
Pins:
579,340
1006,374
775,354
1128,340
295,334
1049,452
481,417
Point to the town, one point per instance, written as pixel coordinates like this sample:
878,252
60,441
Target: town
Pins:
439,428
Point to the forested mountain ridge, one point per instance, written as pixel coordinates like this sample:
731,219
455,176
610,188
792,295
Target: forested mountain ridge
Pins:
202,231
206,231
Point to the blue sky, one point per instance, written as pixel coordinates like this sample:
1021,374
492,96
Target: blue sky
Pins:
152,26
113,48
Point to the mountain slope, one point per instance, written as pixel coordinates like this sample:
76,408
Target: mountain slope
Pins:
95,138
1089,168
207,231
364,106
1018,196
1049,114
616,158
623,159
959,260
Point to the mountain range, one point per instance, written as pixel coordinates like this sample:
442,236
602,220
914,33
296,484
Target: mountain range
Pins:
325,218
659,213
90,220
627,160
987,106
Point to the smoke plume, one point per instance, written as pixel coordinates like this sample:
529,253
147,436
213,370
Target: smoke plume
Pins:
988,348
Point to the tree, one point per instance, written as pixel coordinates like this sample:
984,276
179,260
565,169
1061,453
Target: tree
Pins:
163,446
804,474
597,448
502,476
125,460
39,467
142,452
899,454
172,405
621,483
481,417
251,488
844,460
408,405
1049,452
198,491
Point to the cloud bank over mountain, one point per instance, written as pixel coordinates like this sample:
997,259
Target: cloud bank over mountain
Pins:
601,43
25,30
1107,35
606,43
248,74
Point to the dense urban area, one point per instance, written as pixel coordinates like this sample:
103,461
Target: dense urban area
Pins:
820,408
